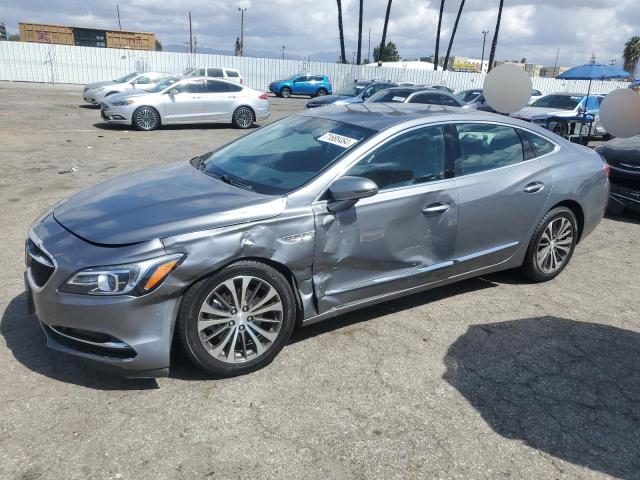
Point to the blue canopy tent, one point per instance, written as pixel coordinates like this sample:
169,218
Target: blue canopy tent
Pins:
592,71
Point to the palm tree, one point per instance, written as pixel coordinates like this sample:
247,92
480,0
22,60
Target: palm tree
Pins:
343,58
494,43
631,54
384,31
360,32
453,34
435,57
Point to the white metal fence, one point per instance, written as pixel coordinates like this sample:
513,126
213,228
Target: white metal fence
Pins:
37,62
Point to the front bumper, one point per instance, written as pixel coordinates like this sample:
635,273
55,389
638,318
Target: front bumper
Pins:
124,334
90,97
122,115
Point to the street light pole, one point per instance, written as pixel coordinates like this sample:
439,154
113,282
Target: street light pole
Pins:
283,52
484,39
242,10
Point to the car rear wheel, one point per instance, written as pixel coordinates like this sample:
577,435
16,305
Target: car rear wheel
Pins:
552,245
285,92
237,320
146,118
321,92
243,117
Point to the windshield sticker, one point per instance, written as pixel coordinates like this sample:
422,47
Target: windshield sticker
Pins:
339,140
398,99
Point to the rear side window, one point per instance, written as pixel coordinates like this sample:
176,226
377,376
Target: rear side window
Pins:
215,72
220,87
541,145
486,147
434,99
412,158
232,73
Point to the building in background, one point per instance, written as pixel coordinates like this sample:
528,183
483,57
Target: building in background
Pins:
467,64
552,72
86,37
3,31
533,69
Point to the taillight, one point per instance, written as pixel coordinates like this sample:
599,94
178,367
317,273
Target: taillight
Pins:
241,82
264,96
607,169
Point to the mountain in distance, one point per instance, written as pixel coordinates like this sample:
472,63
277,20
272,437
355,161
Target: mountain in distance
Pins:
315,57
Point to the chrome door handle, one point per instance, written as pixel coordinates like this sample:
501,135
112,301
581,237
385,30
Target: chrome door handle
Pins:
231,96
533,187
436,209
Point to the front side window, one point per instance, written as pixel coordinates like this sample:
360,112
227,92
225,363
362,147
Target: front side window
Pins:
301,79
194,86
215,72
484,146
285,155
413,158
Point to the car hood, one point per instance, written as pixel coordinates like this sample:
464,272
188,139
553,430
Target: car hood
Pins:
127,94
622,152
91,86
329,99
528,113
158,203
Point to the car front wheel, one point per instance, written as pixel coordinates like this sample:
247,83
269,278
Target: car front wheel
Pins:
146,118
237,320
285,92
552,245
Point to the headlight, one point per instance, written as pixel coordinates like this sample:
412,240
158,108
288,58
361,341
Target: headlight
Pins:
121,103
133,278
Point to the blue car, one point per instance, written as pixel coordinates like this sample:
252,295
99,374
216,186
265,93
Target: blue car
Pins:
356,92
302,84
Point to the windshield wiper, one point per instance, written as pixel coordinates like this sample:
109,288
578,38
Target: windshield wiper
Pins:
231,181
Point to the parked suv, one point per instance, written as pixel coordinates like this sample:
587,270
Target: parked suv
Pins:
230,74
302,84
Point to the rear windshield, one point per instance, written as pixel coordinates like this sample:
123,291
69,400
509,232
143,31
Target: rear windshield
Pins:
395,95
285,155
561,102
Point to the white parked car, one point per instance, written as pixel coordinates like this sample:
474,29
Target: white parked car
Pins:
230,74
96,92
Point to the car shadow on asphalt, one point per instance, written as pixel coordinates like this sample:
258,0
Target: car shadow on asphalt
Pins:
25,338
569,389
632,218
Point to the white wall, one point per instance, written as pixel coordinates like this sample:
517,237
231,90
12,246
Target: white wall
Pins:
37,62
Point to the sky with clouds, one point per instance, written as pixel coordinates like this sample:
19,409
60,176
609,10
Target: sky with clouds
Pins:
534,29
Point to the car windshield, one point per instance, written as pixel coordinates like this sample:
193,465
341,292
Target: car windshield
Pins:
351,90
285,155
561,102
467,96
164,84
126,78
394,95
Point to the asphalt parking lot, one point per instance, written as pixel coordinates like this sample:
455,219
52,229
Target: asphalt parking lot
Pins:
490,378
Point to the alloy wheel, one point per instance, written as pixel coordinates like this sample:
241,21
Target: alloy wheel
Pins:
240,319
244,117
554,246
147,118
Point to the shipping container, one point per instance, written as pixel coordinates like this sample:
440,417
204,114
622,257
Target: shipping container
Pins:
132,40
86,37
40,33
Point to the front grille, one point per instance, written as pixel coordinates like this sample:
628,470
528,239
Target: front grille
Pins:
39,264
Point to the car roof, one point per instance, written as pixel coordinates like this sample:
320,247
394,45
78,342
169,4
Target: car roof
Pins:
217,79
379,116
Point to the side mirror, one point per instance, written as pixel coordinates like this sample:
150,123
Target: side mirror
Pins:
173,91
346,191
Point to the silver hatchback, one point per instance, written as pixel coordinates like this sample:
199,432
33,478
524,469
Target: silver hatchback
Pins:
188,100
313,216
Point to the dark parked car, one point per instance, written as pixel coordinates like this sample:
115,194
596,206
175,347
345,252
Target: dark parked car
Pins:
623,157
415,95
313,85
356,92
310,217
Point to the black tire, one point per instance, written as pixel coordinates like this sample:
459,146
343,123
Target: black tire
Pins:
243,117
146,118
321,92
285,92
194,299
535,269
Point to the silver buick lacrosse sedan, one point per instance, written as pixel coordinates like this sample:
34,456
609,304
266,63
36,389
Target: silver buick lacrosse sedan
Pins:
313,216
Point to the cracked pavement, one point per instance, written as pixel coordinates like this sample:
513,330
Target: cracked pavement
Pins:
489,378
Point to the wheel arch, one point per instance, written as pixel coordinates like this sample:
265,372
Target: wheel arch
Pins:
577,210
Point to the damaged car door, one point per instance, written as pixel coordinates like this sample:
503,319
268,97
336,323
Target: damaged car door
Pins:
400,238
